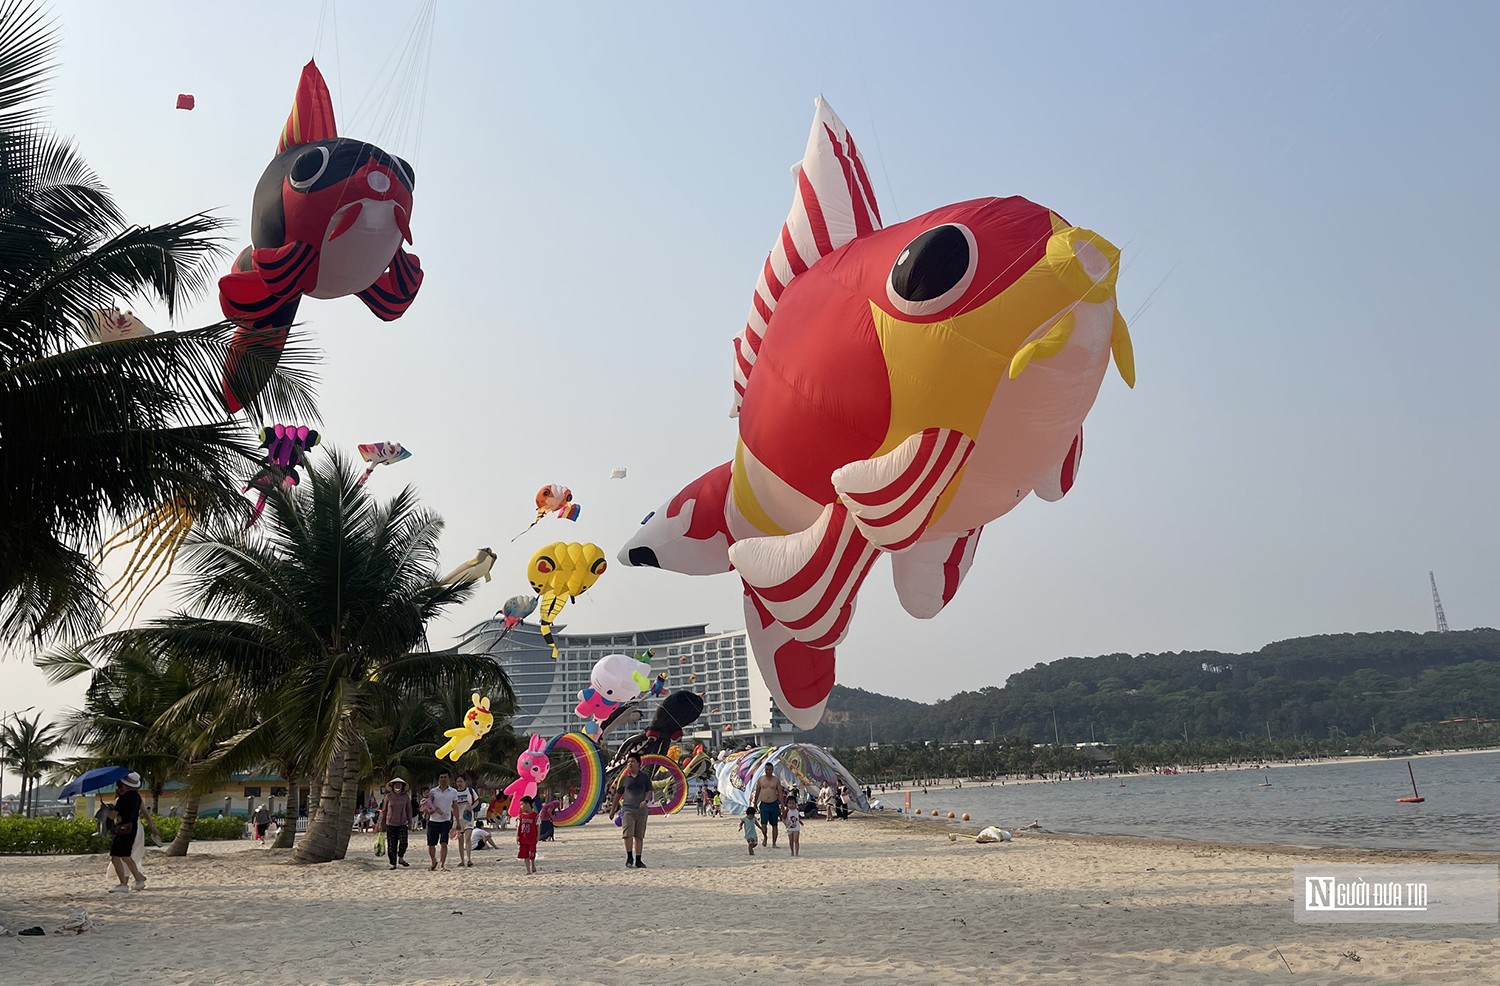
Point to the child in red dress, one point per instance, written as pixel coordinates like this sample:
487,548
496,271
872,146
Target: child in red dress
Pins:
526,834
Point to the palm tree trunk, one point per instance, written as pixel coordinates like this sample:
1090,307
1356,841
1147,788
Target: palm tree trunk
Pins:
287,837
184,835
348,802
321,843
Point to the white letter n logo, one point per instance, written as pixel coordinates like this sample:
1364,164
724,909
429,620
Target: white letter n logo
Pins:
1319,893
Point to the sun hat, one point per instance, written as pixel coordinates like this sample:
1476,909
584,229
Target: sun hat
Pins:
131,780
397,780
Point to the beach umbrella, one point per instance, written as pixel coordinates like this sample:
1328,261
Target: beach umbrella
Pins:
92,780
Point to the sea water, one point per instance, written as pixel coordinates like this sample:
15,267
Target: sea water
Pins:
1350,805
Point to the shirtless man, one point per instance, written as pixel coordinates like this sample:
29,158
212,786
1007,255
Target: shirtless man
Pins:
767,796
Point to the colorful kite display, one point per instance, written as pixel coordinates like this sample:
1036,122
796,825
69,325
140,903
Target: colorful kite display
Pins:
615,678
514,610
532,766
553,498
590,778
111,324
473,570
897,389
561,572
699,765
381,454
328,220
477,722
285,446
676,712
804,765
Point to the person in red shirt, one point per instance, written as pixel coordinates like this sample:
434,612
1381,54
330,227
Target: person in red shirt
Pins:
526,834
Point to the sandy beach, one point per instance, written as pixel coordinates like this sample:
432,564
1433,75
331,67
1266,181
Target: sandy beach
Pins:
871,900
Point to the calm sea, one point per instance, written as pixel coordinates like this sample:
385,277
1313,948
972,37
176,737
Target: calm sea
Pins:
1349,805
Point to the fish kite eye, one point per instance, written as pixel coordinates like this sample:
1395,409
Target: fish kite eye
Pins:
545,565
598,567
308,168
934,270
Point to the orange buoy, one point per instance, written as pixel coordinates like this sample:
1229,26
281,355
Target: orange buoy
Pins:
966,816
951,816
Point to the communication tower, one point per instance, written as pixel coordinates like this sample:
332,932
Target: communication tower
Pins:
1437,605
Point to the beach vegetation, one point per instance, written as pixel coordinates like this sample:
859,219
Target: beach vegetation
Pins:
312,625
99,434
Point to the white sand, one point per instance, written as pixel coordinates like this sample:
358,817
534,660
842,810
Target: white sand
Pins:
871,900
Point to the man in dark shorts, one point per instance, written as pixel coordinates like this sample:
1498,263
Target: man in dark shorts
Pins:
440,821
767,796
126,820
635,791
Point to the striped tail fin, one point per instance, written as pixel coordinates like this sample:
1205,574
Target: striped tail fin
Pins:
833,204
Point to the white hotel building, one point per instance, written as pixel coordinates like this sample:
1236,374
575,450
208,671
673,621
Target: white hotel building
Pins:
737,710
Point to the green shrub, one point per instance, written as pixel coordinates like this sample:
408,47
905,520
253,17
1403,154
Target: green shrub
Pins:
207,829
74,836
40,836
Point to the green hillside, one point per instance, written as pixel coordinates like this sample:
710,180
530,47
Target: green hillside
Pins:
1313,687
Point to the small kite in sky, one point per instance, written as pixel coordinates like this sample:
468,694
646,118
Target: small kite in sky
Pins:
111,324
381,454
285,446
472,570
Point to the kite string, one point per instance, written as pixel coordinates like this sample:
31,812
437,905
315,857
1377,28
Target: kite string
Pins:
864,83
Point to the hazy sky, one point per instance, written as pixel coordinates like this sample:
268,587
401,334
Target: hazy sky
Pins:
1305,194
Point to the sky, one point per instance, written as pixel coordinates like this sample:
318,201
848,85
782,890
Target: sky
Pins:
1304,194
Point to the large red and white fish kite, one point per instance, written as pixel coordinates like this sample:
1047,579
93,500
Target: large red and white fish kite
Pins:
330,215
897,389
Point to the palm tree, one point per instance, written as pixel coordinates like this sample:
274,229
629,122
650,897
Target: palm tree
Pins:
97,435
27,747
124,699
318,619
154,713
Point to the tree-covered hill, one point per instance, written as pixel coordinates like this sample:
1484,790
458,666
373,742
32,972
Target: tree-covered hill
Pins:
1318,687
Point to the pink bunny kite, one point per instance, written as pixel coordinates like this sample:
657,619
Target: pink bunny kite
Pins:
532,766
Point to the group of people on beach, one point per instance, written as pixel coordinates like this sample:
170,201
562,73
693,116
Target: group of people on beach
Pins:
455,813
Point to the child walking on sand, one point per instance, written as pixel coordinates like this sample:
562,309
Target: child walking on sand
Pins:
794,828
526,834
748,824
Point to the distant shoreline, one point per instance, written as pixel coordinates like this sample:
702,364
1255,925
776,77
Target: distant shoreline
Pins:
948,783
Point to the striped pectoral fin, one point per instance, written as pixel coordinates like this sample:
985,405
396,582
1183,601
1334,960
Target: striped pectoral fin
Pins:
891,498
807,581
799,677
928,575
265,279
394,291
1061,479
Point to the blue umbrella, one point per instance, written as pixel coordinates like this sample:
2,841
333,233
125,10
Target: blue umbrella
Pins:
93,780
